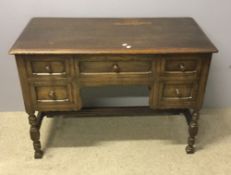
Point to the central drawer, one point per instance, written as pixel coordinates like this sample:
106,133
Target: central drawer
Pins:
101,70
99,67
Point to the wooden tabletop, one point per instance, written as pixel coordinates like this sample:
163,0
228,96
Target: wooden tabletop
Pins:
112,35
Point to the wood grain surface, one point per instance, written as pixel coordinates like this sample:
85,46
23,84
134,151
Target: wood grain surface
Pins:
112,35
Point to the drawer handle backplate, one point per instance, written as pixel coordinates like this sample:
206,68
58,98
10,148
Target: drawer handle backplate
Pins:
116,68
52,95
178,92
48,68
182,67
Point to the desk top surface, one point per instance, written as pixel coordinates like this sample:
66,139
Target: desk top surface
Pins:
112,36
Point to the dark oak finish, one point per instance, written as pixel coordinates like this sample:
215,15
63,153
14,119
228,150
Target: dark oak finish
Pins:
114,111
193,130
57,57
102,36
35,135
129,67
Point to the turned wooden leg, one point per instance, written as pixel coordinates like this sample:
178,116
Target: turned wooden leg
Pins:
40,117
188,116
193,130
35,135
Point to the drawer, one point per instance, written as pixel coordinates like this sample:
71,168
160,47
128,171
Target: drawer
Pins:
174,94
55,95
48,66
115,72
99,67
180,66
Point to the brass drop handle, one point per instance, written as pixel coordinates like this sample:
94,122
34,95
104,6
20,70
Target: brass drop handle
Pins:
52,95
182,67
48,68
116,68
177,92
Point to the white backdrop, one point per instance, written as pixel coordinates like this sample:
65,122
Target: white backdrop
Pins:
212,15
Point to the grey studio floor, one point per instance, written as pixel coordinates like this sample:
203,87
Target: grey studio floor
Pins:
117,145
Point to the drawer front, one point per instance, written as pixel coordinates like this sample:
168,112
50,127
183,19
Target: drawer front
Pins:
115,71
52,94
55,96
177,94
48,66
180,66
94,67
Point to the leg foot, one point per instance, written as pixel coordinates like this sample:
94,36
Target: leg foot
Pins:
193,130
189,149
38,154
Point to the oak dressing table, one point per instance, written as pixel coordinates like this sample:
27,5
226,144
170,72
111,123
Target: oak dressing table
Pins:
57,57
